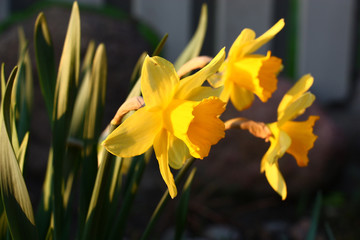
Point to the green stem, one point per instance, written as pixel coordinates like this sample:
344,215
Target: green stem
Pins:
165,198
95,211
120,223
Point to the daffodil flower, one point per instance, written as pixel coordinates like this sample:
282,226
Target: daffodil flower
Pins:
180,118
245,74
293,137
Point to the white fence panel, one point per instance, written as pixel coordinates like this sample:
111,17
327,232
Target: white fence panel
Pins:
234,15
4,9
325,41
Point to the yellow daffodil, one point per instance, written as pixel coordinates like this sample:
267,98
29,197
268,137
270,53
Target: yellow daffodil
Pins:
245,74
179,119
295,138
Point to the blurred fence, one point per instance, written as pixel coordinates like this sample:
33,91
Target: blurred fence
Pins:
320,36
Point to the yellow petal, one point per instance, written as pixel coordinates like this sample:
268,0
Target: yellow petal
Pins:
256,73
178,152
275,179
295,108
200,93
158,81
266,37
279,143
241,98
302,139
246,37
135,135
161,152
228,87
299,88
196,80
206,128
267,76
178,116
216,80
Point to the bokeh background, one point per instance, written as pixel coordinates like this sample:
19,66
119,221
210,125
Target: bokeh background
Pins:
231,199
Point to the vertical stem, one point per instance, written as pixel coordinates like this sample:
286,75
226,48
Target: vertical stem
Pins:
165,198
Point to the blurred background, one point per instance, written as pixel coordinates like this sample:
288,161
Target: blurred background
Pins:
320,37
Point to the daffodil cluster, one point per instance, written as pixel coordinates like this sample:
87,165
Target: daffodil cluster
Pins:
244,75
180,117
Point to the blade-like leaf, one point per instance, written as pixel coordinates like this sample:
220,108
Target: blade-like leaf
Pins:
3,82
92,127
20,155
182,209
45,61
24,88
82,98
311,235
118,227
194,46
160,46
15,196
136,72
65,92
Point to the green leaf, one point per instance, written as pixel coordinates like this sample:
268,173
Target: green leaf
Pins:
118,228
82,98
182,210
20,155
15,196
92,126
68,74
160,46
45,62
99,197
65,93
23,88
137,69
3,82
3,223
76,154
164,199
44,210
315,217
194,46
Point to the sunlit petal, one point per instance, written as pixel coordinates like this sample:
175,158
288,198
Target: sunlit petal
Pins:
266,37
206,129
257,74
279,143
296,108
135,135
161,152
275,179
196,80
228,87
237,49
302,139
241,98
199,93
299,88
178,116
158,81
178,152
